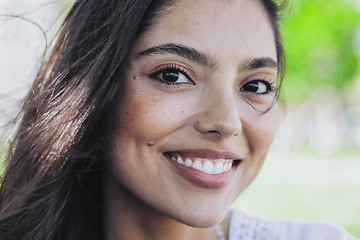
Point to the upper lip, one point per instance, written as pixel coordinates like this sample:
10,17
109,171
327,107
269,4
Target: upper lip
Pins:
207,153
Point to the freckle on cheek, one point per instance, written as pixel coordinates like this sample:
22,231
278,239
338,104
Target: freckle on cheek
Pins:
150,144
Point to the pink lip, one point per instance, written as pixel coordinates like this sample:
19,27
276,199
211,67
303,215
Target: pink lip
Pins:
203,179
200,178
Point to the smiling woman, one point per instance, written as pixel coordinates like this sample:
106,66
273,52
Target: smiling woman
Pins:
147,121
193,98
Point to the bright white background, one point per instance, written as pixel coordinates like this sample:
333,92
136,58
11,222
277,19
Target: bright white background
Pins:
22,44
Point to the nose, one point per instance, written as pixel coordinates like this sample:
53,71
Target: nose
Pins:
219,116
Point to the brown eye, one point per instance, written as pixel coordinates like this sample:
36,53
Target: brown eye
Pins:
257,86
171,76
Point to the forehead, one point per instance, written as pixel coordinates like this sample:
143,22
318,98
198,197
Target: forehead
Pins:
217,27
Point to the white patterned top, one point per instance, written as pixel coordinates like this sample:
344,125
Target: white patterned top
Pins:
247,226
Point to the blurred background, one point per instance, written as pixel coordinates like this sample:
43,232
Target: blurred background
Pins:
313,168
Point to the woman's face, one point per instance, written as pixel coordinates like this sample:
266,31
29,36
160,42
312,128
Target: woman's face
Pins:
194,85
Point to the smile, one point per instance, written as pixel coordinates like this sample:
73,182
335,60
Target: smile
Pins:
204,167
209,166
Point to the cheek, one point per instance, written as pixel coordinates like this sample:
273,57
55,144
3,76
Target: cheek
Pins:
262,131
260,134
145,115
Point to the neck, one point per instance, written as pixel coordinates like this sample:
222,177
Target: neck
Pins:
128,217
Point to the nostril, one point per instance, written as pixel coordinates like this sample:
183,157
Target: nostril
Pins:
213,125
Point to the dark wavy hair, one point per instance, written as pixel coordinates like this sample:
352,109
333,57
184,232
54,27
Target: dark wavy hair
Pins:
52,186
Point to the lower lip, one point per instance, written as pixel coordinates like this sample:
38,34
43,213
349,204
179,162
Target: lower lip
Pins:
200,178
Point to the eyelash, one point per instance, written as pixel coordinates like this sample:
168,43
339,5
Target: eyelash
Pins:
270,87
170,67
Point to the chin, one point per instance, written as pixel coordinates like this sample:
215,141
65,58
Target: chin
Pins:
206,219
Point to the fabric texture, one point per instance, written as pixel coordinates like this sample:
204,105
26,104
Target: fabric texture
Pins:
247,226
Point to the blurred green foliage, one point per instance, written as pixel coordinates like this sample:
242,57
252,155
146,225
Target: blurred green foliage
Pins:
319,38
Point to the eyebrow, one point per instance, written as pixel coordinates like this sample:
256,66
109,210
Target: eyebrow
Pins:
262,62
180,50
194,55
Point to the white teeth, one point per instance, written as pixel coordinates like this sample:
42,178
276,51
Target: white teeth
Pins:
208,167
197,164
214,166
225,168
188,162
218,168
179,160
229,166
